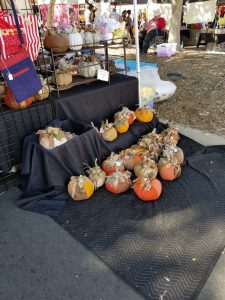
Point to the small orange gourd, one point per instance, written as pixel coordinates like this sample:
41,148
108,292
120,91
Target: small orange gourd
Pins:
144,114
146,189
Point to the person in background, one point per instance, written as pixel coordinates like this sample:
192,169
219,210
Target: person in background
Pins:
155,27
114,15
130,23
124,16
141,20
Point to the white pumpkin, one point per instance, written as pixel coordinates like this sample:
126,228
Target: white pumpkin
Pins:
88,69
88,39
75,41
96,38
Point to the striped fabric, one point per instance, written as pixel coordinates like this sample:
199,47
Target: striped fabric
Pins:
29,26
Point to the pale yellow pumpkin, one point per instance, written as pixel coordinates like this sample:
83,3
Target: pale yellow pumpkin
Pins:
62,78
108,132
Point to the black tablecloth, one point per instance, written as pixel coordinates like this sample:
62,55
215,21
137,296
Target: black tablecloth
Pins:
15,125
98,100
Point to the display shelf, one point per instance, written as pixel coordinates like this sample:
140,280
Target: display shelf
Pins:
105,64
82,80
76,81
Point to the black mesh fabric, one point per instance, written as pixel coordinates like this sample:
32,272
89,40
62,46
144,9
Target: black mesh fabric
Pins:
166,247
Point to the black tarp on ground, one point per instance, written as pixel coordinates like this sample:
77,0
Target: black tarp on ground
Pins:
166,247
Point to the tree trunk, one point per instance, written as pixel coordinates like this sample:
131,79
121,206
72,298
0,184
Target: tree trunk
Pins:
50,15
174,32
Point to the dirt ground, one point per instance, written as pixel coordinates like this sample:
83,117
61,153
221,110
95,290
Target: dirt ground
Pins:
199,101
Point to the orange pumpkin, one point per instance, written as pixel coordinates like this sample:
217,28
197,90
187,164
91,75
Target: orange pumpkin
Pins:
144,114
169,168
118,182
11,102
113,163
146,189
121,125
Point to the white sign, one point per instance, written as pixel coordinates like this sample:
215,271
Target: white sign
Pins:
103,75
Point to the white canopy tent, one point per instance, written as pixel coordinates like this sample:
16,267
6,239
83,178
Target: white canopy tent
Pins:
137,50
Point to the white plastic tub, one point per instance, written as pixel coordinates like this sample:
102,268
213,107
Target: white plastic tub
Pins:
166,49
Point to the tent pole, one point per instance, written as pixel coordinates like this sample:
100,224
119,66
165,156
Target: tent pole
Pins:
137,49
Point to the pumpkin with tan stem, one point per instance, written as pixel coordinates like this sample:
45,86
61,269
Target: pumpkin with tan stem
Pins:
118,182
52,137
121,125
127,114
175,152
80,188
169,167
113,163
147,189
144,114
170,136
146,168
108,132
132,156
44,92
97,175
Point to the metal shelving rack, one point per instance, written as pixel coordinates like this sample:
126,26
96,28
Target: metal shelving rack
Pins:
78,80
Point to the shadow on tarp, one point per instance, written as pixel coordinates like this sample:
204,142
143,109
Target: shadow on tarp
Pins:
166,246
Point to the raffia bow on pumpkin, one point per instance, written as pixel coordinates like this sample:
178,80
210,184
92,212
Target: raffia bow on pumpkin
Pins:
170,135
119,177
145,183
154,137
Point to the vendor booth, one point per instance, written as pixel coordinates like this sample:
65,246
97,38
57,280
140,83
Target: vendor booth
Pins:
93,156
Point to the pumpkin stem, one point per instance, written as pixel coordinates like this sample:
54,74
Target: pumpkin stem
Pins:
96,162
